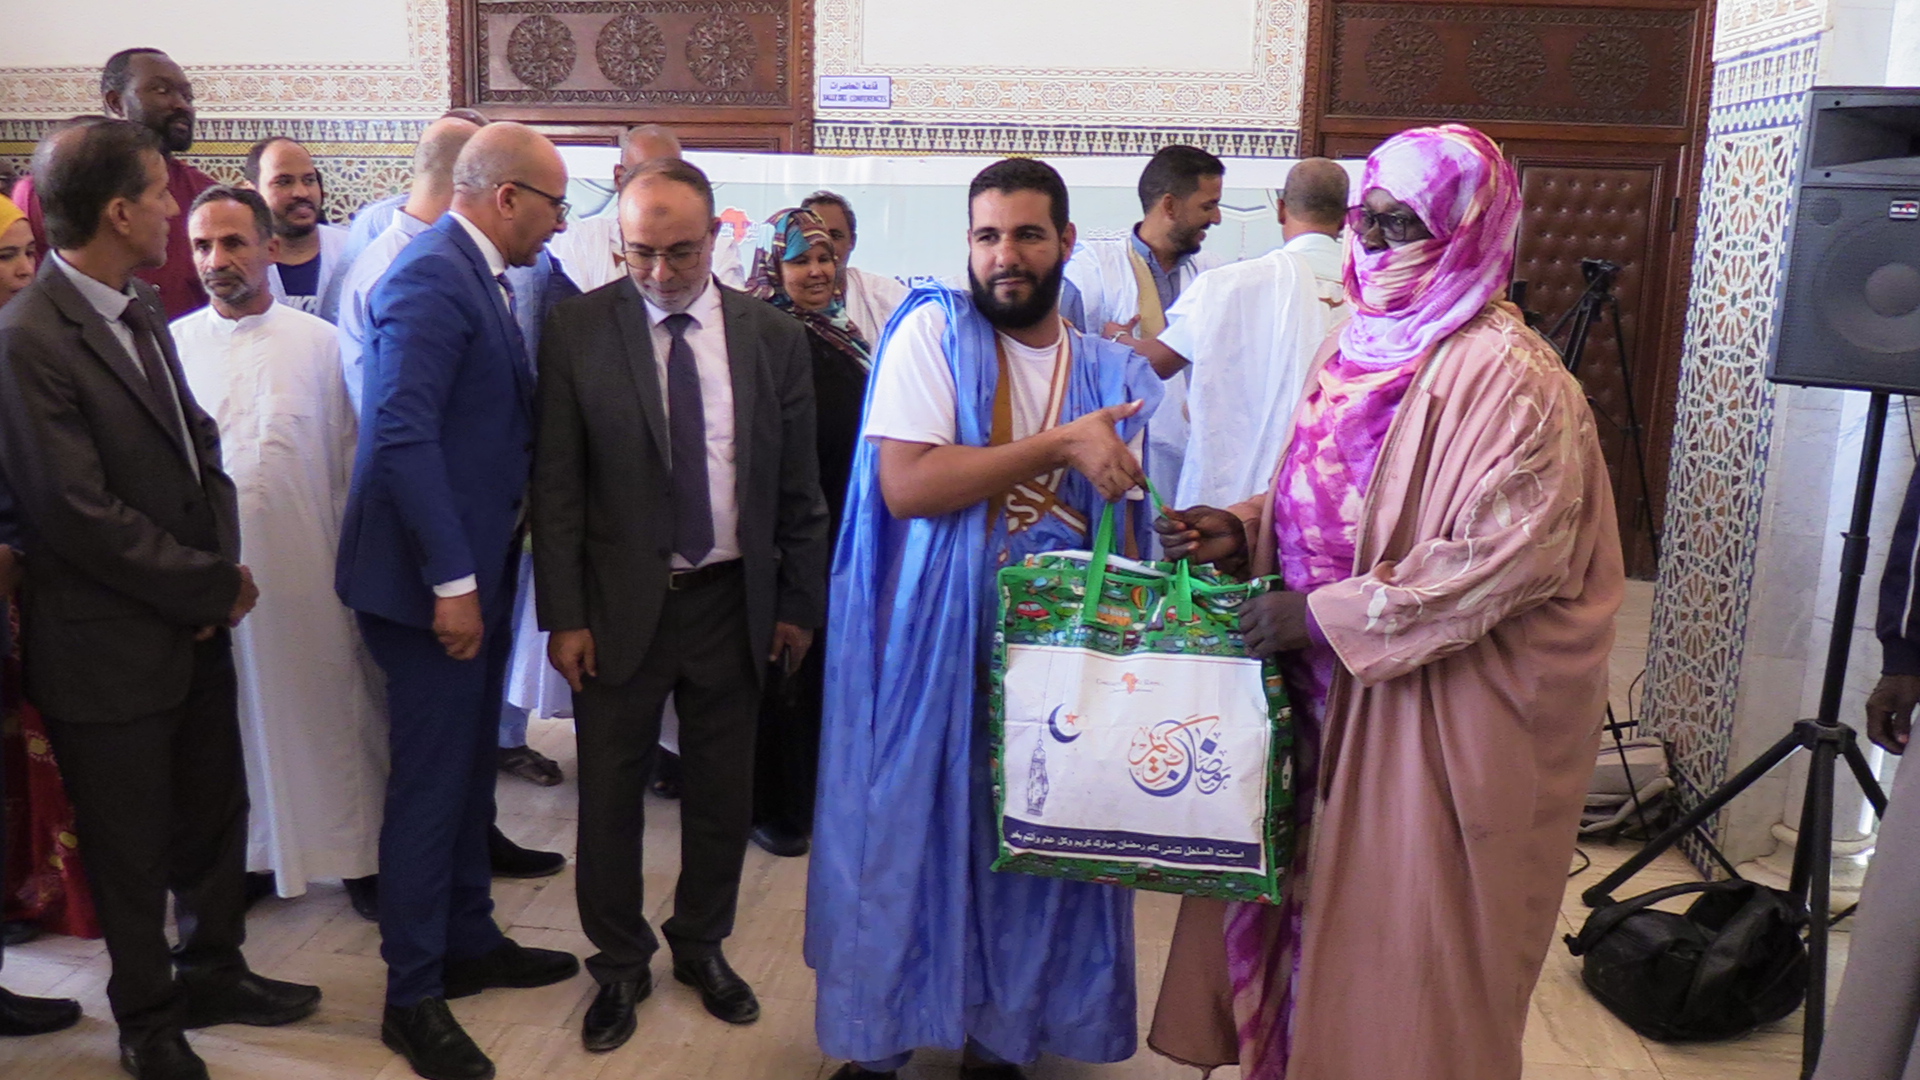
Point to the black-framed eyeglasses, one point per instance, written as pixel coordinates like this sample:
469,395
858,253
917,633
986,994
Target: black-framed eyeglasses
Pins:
1394,228
676,259
560,205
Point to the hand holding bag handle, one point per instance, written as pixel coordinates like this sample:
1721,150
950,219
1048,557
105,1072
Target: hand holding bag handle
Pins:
1096,579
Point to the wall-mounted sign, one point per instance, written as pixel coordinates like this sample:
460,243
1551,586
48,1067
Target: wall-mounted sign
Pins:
856,92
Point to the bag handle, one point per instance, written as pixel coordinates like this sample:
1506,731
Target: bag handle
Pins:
1603,922
1096,578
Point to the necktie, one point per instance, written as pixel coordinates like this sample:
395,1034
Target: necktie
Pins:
687,441
507,287
137,318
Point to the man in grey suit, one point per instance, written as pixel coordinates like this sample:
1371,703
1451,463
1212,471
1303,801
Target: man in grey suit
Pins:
132,583
680,545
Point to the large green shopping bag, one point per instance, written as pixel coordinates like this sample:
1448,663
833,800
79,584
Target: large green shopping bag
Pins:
1134,741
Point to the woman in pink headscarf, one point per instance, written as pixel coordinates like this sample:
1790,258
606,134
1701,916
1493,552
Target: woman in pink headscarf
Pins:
1444,526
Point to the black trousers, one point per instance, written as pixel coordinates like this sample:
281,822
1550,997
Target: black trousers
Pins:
160,805
701,655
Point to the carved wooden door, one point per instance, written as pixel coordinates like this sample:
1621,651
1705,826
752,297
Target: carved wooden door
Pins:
726,74
1601,106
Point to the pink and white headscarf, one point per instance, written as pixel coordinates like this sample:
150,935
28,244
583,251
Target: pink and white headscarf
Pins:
1409,297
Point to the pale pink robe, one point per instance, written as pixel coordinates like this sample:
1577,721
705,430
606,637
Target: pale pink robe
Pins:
1458,736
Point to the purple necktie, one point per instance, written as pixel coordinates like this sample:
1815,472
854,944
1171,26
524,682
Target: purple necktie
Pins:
687,439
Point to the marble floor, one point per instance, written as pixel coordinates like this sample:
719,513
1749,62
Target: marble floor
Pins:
534,1034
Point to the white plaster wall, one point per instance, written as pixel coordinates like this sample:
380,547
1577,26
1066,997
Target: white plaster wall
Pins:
346,59
1198,63
1903,46
1213,36
206,33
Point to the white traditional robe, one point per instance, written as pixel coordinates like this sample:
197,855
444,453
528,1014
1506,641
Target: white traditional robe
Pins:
1109,292
1249,332
312,725
333,272
871,299
586,252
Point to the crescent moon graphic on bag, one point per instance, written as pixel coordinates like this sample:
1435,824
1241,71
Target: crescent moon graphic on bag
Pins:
1053,725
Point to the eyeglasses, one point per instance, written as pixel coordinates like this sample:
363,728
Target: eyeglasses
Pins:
1395,228
677,259
560,205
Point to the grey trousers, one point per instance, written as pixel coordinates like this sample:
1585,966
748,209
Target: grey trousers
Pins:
1871,1032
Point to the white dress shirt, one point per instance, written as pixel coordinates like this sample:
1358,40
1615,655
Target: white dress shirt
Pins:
707,336
496,265
111,304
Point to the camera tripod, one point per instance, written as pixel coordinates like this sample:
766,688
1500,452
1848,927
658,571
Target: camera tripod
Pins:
1578,322
1830,742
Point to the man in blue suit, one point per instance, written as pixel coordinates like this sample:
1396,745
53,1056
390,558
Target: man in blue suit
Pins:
427,551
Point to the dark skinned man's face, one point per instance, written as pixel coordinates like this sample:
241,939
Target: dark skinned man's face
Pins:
158,96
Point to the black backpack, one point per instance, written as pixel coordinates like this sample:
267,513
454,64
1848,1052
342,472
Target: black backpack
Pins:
1734,961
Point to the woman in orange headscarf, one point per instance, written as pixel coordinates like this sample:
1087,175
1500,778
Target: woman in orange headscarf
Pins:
17,255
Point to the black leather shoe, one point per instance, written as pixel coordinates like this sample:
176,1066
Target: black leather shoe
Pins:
512,964
531,765
250,999
364,894
609,1021
666,774
162,1057
23,1015
433,1042
850,1071
724,993
512,860
259,887
18,932
775,840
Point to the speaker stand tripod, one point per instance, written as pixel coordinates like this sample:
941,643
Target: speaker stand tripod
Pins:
1827,739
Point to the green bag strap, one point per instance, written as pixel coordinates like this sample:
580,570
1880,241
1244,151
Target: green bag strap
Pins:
1096,579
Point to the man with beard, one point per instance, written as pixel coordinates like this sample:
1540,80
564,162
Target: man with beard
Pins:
680,547
307,272
1128,283
994,431
148,88
310,721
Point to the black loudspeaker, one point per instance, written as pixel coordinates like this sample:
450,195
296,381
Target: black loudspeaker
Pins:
1848,310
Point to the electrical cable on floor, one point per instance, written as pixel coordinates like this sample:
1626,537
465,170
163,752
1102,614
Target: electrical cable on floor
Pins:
1585,861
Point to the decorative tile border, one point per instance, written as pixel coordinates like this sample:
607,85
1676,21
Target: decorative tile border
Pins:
834,137
1724,414
417,87
361,160
1746,26
1269,96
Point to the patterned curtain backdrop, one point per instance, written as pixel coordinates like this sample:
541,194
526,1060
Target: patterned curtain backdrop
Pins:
1725,414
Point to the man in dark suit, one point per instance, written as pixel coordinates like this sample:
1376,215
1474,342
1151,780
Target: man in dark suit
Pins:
133,583
432,531
680,542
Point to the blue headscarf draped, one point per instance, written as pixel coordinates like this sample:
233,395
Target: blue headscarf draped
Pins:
790,235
